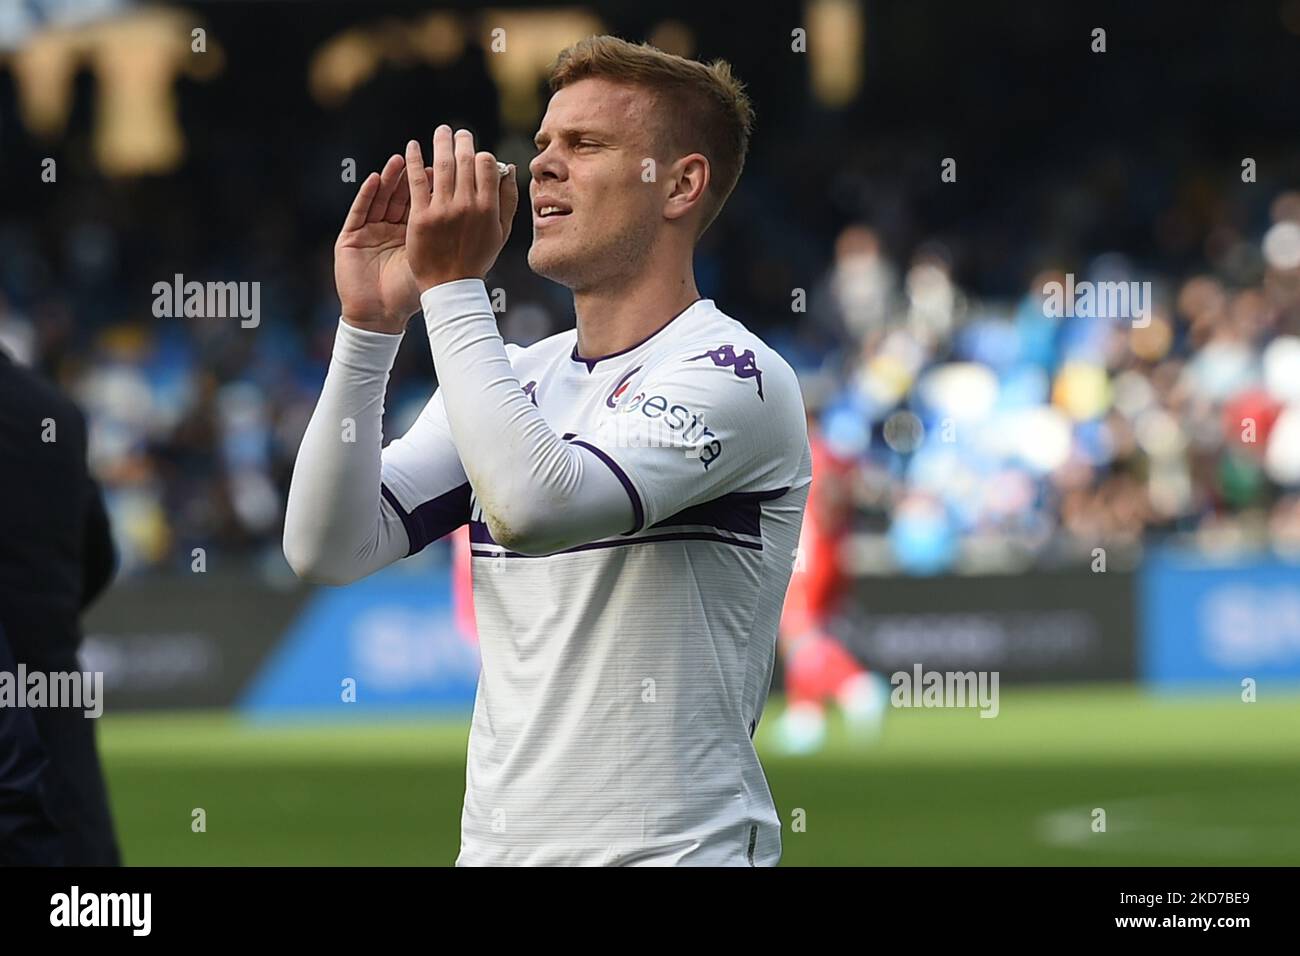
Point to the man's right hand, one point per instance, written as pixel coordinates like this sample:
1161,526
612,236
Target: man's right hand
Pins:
376,289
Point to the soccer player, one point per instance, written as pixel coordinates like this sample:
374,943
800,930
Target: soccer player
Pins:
818,668
634,487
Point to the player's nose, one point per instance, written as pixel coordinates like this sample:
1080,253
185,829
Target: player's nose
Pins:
546,165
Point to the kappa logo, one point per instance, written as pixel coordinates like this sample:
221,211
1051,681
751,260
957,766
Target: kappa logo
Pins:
744,364
611,400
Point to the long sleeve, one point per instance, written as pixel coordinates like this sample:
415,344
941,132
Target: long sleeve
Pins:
538,493
721,422
354,506
335,527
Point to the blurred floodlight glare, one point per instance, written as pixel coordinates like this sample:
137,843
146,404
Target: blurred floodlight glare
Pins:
962,391
1282,246
904,432
530,37
1039,437
136,59
533,38
1082,390
673,36
1282,458
1159,435
350,58
1282,368
835,50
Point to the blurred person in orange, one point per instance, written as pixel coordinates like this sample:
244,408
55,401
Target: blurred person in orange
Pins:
818,668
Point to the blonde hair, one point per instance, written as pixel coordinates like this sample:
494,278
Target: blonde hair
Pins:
703,107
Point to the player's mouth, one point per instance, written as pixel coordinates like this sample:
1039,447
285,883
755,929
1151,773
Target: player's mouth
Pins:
547,210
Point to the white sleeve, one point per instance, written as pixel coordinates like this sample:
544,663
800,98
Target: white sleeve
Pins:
538,493
355,507
422,481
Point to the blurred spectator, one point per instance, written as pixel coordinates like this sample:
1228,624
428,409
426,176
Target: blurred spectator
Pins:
983,429
56,557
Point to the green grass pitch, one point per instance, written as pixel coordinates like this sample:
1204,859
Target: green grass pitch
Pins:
1183,780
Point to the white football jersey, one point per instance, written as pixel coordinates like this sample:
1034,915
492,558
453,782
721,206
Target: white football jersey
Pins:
623,679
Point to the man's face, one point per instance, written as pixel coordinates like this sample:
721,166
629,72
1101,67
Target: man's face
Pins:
592,145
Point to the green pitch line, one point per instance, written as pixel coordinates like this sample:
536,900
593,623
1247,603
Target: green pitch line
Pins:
1184,781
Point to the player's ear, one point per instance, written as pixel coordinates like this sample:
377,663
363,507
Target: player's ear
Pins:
689,179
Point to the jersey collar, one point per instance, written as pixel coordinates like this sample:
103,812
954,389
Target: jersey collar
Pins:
591,362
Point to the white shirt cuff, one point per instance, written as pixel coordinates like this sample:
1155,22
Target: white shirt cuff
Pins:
365,350
453,300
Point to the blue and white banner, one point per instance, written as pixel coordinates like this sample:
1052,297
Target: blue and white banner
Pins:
1204,622
387,643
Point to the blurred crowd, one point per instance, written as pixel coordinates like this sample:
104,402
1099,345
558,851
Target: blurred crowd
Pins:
997,434
985,431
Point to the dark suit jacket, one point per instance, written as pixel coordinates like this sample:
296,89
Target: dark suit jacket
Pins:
56,552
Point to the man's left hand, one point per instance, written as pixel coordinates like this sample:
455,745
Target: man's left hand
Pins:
461,213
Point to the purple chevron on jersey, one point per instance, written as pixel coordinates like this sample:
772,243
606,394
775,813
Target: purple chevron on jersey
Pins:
744,364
